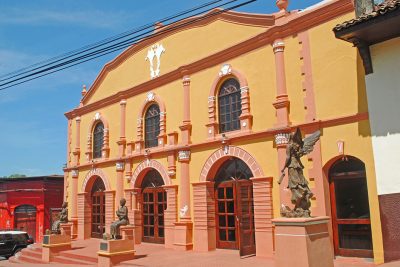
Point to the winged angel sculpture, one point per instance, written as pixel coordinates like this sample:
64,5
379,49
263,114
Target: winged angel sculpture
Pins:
297,183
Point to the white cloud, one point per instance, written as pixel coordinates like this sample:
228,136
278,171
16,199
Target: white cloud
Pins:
90,18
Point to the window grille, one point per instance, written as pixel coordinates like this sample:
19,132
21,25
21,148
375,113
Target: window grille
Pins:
229,106
152,126
98,139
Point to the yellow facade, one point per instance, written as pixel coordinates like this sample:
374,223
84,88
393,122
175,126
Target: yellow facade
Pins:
337,84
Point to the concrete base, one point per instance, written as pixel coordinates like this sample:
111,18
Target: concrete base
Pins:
53,245
74,233
66,229
303,242
183,236
113,252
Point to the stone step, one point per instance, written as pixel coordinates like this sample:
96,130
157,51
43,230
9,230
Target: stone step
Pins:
71,260
28,259
32,253
79,257
35,247
13,259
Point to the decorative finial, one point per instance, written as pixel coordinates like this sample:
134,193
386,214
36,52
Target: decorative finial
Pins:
84,90
282,5
158,26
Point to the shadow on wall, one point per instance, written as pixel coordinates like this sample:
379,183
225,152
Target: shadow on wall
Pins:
364,128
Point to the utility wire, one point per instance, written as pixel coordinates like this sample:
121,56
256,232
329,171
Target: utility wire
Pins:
101,43
116,47
119,45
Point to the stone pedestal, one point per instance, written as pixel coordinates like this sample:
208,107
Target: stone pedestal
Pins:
303,242
183,236
66,229
54,244
113,252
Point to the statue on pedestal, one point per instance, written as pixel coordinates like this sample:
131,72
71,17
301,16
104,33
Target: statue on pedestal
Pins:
122,214
297,183
62,218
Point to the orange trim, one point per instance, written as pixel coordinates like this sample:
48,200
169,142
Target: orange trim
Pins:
105,149
143,168
212,125
217,158
300,22
142,111
239,137
229,16
90,178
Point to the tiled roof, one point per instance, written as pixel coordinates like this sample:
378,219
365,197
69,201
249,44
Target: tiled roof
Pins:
381,9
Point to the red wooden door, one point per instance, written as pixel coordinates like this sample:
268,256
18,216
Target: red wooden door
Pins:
245,211
98,214
235,216
25,219
154,202
226,218
350,214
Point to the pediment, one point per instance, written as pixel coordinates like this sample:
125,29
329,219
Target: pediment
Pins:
174,46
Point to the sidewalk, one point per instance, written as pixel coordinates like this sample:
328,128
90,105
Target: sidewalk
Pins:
154,255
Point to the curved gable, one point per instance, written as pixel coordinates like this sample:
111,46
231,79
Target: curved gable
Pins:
184,42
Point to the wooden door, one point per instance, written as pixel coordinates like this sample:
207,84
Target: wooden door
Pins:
154,202
98,214
350,214
226,219
25,219
235,216
245,212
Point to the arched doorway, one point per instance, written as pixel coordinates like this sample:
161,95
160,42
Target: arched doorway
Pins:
25,219
350,208
98,208
154,202
234,214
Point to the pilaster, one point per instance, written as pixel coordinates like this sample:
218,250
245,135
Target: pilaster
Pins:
204,216
282,103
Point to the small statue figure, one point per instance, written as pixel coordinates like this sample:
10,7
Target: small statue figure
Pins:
62,218
122,214
297,183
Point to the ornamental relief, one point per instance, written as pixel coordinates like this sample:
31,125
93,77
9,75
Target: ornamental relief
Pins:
154,58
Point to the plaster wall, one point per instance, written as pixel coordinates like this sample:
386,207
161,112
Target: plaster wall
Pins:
384,112
181,48
338,82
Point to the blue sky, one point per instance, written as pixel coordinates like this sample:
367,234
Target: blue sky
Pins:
33,127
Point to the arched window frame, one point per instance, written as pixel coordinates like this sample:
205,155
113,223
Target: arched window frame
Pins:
105,148
246,119
151,99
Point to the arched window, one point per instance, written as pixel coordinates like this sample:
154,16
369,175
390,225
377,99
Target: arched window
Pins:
152,126
98,139
229,106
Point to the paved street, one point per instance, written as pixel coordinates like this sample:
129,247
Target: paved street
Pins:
155,255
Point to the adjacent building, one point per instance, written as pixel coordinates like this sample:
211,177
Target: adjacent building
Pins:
376,33
26,203
191,126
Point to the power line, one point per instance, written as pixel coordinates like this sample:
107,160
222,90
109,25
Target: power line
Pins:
102,42
118,46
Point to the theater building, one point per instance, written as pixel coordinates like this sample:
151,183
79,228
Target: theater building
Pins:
191,127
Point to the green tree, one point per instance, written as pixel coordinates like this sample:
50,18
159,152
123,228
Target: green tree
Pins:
15,175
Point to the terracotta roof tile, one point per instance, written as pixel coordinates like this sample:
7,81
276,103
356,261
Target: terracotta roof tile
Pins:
381,9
